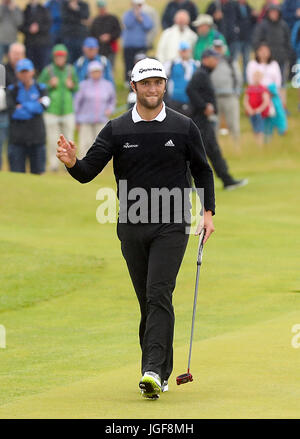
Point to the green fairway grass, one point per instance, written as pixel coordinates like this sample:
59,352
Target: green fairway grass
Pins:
71,315
236,375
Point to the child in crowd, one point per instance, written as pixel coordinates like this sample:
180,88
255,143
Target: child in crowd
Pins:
257,103
277,118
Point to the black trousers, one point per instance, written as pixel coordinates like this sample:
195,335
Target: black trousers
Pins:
213,151
153,253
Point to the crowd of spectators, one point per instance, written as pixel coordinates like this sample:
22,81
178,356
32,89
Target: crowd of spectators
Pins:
61,77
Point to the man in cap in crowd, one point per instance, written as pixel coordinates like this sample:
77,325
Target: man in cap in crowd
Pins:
150,145
227,82
26,102
206,35
225,16
204,109
62,82
180,72
90,51
106,29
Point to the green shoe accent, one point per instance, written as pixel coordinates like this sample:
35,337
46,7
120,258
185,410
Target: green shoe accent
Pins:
149,387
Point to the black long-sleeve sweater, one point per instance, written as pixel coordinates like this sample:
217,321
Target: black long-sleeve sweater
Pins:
150,155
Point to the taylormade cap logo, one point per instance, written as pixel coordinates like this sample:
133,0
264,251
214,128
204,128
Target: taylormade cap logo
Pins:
150,70
147,68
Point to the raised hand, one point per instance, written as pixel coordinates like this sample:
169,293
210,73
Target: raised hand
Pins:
66,151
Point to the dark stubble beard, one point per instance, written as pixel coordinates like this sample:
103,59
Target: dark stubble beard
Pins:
149,105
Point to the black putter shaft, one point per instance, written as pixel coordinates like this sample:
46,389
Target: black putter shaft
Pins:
199,262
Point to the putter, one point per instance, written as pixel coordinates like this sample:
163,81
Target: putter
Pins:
187,377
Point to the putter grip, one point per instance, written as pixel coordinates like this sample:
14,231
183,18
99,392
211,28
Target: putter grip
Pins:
200,247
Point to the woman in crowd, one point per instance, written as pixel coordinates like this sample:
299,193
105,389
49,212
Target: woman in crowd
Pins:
272,79
264,62
94,103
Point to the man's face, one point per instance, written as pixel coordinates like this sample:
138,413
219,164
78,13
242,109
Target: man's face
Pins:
273,15
203,29
90,52
15,54
185,54
137,5
182,19
25,76
211,62
150,92
219,49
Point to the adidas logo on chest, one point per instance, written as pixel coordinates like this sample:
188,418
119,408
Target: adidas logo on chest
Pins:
169,143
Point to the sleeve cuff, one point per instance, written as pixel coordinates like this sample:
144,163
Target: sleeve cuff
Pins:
74,168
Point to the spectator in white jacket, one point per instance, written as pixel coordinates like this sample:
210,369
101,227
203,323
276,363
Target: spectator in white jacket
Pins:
167,49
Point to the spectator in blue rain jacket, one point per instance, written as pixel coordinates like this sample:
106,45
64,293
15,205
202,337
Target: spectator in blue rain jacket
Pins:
26,102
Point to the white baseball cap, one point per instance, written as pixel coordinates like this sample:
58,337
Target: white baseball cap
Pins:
95,66
203,19
148,68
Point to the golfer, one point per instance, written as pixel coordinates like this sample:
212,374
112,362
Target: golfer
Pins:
150,145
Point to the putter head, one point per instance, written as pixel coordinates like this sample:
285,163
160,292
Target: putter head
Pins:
184,378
